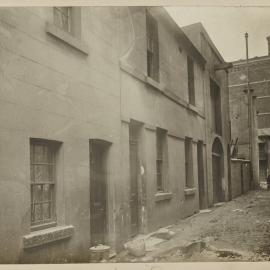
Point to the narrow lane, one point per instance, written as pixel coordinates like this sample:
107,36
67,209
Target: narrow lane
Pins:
238,230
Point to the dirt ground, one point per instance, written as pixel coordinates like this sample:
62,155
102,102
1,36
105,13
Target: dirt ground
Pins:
238,230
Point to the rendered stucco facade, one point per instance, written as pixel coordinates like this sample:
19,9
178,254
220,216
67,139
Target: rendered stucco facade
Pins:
76,90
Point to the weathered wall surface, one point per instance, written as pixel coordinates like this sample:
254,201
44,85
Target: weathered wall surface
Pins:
203,43
240,173
148,104
259,81
51,90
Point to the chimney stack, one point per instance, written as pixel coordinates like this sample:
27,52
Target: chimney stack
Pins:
268,42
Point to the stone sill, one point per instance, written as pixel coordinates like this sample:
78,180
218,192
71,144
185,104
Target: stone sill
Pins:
162,196
66,37
190,191
158,86
38,238
194,109
153,83
241,160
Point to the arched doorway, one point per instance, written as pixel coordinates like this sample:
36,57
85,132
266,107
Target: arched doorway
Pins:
217,171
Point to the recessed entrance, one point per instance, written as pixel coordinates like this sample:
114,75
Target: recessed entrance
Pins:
201,174
217,171
134,139
98,191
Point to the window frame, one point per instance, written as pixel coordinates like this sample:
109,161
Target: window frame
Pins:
52,147
189,181
161,163
68,15
191,81
216,107
152,41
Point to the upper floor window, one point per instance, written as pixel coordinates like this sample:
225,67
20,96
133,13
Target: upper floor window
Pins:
152,47
42,171
67,26
62,17
215,107
191,87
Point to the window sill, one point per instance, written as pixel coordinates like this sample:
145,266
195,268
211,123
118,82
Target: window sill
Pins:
66,37
158,86
190,191
153,83
193,108
162,196
38,238
43,226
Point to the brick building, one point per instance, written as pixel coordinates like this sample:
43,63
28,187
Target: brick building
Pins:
259,83
113,123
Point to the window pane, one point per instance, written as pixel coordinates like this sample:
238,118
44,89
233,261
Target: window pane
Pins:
31,153
47,210
150,68
152,47
32,175
159,182
37,212
37,193
159,166
159,175
47,192
42,154
43,173
32,212
61,17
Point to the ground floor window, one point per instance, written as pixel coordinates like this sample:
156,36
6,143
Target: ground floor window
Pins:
189,163
42,167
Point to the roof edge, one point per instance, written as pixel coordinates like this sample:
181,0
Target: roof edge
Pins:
183,38
208,39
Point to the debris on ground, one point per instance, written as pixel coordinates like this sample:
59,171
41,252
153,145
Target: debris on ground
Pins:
214,220
164,233
219,204
136,247
205,211
219,235
238,210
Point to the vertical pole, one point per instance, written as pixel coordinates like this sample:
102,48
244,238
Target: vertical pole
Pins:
248,95
250,115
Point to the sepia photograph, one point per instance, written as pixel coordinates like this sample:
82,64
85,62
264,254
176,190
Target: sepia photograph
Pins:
134,133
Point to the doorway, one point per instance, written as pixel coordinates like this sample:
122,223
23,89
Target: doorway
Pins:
200,174
217,171
134,139
98,191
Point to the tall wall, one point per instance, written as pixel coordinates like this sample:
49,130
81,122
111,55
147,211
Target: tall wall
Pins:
160,105
240,171
259,79
54,91
202,41
70,90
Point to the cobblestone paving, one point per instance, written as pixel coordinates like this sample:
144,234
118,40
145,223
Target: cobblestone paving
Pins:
238,230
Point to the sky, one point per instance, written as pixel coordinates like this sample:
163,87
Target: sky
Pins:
227,26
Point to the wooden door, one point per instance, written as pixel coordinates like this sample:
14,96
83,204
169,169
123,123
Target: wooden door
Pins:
98,194
134,167
216,173
200,174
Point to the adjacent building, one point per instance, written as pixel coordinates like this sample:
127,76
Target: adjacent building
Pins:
114,122
259,77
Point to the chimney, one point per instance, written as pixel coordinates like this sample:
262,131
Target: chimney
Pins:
268,42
